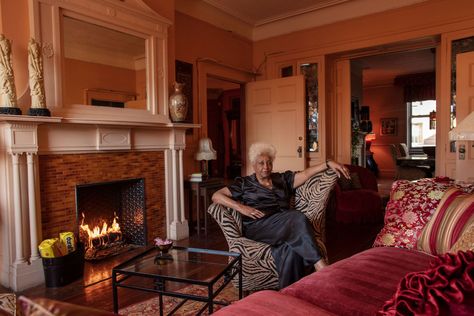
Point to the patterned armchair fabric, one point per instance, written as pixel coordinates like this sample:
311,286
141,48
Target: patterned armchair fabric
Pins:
258,267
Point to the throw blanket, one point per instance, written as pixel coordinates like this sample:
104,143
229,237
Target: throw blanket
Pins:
439,290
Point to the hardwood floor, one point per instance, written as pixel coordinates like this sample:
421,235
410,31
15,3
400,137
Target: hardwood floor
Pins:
343,240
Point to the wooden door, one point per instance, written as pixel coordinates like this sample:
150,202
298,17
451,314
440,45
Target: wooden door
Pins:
342,128
464,106
275,114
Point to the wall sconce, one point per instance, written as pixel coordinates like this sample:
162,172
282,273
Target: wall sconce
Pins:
433,120
204,154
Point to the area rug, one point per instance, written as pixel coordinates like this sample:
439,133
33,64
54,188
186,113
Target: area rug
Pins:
152,306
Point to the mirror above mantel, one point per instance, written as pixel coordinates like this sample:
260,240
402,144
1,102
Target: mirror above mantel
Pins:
103,67
103,58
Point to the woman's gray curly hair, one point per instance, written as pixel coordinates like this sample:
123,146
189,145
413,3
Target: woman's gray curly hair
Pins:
257,149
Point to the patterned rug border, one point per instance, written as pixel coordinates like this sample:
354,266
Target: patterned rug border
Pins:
152,306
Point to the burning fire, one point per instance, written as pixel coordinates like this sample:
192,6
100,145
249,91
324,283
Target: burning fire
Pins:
99,237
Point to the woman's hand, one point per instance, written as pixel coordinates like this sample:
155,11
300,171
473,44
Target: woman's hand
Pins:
340,169
251,212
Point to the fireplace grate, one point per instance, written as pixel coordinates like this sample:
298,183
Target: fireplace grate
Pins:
124,200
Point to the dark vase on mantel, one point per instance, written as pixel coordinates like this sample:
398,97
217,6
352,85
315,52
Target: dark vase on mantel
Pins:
178,103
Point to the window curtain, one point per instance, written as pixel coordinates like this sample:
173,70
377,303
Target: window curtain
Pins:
418,87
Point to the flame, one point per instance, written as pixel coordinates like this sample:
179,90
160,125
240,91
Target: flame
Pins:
100,234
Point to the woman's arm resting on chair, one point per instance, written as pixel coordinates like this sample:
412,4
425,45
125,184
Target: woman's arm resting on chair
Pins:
303,176
224,197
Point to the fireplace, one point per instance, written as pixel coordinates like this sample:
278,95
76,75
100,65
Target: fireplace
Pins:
111,217
44,159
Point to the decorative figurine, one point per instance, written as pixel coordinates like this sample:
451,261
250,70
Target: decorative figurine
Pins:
8,101
36,79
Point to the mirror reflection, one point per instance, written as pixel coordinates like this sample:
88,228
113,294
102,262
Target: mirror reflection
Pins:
103,67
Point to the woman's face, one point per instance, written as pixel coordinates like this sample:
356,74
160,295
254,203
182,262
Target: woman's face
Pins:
263,166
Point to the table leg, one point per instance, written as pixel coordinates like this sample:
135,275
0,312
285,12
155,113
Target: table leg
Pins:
161,304
206,205
190,209
198,210
210,300
114,291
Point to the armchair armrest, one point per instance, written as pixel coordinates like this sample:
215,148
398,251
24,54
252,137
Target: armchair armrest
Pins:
228,219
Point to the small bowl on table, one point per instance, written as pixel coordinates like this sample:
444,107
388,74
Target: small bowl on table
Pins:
164,248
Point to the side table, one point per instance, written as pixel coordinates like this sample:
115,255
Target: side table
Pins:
205,189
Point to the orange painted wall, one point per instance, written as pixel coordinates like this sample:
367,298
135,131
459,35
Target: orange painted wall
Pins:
386,102
14,25
197,39
78,77
380,28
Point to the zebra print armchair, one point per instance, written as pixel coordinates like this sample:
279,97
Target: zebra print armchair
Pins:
258,267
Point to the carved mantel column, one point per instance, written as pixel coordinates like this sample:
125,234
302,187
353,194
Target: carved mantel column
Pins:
19,201
177,222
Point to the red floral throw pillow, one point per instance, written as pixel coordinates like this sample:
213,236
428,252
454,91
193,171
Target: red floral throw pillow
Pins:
411,205
447,288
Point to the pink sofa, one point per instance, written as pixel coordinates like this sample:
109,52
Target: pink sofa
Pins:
358,285
390,276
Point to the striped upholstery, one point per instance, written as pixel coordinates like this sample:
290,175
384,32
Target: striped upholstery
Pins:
454,214
258,266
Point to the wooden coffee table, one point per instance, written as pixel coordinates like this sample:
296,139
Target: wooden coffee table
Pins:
167,274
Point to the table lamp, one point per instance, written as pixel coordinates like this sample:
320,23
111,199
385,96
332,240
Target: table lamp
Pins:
462,134
204,154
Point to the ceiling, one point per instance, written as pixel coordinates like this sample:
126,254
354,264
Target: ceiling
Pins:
382,69
260,19
267,18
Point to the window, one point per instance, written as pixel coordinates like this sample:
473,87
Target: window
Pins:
310,73
420,132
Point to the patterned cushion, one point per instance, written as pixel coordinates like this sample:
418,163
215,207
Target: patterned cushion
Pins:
454,214
411,205
465,242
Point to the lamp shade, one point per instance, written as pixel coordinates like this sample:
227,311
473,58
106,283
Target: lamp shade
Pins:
205,151
370,137
464,130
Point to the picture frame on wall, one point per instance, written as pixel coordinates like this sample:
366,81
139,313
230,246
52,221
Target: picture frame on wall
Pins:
184,74
388,126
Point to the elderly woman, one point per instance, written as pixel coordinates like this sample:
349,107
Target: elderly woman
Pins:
263,199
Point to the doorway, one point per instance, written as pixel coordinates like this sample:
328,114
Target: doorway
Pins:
224,112
396,93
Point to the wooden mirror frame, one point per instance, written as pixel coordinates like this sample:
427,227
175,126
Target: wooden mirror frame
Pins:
129,16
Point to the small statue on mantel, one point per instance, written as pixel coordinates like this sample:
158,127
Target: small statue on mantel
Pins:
8,101
36,80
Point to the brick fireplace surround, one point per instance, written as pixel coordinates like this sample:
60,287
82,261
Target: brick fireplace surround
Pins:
42,159
59,175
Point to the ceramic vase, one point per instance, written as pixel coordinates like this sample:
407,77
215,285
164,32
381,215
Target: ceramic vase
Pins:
178,104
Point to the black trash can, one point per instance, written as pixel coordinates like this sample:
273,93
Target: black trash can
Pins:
63,270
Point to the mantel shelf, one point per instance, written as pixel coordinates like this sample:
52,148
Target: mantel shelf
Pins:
28,118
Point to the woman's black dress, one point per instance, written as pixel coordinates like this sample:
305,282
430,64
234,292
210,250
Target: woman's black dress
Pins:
288,231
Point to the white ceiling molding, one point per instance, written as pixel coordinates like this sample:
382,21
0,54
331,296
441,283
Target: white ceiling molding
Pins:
212,15
258,20
258,13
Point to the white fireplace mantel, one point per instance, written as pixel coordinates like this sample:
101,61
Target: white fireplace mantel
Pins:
23,138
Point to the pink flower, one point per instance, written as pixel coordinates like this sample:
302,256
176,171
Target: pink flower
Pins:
161,242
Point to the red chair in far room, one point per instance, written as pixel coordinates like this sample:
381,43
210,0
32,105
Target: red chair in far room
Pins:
357,200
